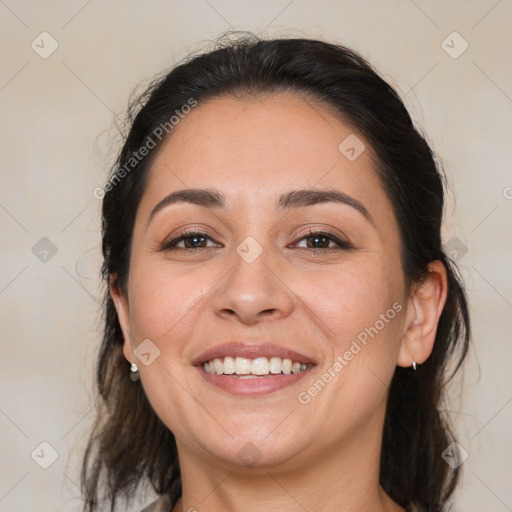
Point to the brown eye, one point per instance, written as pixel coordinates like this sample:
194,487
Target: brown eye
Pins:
320,240
191,240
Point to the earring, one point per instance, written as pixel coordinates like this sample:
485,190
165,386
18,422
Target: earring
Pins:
414,365
134,372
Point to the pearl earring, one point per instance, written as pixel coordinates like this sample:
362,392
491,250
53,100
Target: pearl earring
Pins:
134,372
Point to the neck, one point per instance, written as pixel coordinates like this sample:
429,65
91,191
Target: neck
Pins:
341,478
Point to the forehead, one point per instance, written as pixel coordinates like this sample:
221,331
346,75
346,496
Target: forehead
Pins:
257,148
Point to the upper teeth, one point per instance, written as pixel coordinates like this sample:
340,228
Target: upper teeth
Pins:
258,366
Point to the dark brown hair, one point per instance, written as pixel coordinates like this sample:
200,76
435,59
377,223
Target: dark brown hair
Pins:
129,444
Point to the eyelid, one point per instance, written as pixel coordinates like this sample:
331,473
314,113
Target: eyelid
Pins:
342,242
181,235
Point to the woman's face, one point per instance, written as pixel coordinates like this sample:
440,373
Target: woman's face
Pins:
255,284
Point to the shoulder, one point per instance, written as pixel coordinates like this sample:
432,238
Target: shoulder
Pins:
162,504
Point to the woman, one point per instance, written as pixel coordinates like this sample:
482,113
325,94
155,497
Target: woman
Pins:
280,313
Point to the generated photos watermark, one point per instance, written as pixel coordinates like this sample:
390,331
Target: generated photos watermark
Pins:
150,143
304,397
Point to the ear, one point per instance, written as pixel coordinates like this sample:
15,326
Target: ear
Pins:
424,309
123,314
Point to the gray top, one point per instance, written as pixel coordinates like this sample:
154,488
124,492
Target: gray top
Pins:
163,504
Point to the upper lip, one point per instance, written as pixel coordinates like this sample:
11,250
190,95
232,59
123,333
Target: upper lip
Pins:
250,351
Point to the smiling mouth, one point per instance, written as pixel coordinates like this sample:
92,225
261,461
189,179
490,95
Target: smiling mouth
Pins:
245,368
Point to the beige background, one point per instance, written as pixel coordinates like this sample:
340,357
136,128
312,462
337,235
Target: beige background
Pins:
55,131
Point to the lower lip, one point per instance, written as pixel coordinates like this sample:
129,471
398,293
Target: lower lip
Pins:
251,387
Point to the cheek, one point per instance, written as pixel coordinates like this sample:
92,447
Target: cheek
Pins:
361,306
353,298
162,303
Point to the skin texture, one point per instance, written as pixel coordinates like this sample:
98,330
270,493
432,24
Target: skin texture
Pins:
319,456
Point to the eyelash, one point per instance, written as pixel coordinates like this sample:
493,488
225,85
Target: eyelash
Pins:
343,245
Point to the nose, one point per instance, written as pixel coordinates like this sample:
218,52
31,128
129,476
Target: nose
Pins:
253,291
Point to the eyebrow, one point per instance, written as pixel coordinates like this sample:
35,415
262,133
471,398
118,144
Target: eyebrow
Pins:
211,198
